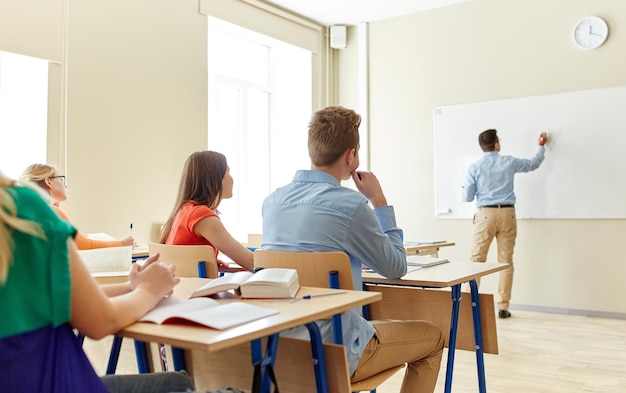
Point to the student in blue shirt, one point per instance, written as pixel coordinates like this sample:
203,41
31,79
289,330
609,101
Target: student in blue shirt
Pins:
491,181
315,213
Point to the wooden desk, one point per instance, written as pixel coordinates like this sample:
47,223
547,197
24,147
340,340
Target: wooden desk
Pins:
426,248
450,275
140,253
291,314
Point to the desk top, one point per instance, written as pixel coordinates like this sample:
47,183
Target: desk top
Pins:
439,276
425,248
291,314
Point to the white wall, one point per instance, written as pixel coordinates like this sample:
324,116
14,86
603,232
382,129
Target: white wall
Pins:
485,50
136,98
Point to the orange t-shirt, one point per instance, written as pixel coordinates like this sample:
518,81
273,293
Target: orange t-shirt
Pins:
182,232
82,241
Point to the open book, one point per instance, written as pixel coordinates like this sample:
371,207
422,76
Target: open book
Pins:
206,312
108,259
266,283
424,261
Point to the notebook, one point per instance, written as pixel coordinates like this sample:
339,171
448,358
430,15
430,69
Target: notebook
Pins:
424,260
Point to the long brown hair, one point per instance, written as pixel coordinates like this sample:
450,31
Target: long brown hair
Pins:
201,182
9,221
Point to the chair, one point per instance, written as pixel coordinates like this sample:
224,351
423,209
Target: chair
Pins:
186,258
314,270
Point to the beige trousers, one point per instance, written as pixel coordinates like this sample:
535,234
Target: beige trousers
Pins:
419,344
490,222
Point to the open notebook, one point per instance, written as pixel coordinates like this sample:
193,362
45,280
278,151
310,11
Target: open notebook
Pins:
108,259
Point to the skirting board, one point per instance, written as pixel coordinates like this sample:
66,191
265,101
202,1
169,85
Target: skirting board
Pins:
569,311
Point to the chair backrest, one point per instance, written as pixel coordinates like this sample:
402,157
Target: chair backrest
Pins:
313,271
186,258
312,267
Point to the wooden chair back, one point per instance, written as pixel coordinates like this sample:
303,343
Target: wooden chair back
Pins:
312,267
186,258
313,271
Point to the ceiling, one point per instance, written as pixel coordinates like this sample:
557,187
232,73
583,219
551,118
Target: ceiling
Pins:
353,12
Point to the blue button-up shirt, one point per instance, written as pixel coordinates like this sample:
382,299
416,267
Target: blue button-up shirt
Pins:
315,213
491,179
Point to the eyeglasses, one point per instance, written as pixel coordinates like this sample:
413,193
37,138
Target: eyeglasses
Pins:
63,179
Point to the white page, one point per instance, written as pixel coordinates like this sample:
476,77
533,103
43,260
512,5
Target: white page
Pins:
107,259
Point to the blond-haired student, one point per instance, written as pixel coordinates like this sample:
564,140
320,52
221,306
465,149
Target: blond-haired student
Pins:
47,177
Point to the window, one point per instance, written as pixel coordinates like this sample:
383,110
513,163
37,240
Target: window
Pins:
23,112
260,103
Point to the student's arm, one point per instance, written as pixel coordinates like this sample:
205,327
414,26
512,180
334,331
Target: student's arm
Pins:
85,243
96,315
212,229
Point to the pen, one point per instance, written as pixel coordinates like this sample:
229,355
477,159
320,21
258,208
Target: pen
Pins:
130,229
323,294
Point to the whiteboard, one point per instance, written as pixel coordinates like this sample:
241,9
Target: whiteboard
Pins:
583,174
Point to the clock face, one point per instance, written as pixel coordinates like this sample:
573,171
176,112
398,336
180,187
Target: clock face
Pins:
590,32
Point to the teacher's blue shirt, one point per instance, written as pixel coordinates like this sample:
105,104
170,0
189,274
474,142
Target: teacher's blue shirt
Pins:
315,213
491,179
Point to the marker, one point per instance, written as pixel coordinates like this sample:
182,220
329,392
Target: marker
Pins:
130,229
323,294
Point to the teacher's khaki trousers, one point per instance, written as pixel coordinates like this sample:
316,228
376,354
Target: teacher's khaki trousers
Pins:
498,222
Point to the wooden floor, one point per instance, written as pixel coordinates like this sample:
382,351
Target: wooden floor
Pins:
544,353
539,353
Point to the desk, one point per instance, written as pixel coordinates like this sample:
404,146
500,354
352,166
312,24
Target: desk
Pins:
140,253
290,315
426,248
451,275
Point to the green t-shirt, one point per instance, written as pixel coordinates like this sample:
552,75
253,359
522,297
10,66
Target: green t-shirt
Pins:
37,290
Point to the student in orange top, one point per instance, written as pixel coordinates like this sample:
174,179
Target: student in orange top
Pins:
205,181
47,177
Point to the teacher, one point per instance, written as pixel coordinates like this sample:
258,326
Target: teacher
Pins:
491,181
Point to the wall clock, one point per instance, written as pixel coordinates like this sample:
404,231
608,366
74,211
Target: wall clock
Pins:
590,32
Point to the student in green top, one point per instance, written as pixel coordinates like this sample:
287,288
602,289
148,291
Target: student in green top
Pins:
46,291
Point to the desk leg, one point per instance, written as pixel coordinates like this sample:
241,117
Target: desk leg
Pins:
478,337
319,360
454,325
264,365
116,346
178,357
141,353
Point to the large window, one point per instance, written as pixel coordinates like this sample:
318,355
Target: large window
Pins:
259,107
23,112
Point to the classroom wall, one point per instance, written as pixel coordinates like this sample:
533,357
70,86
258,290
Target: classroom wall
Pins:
136,108
136,100
487,50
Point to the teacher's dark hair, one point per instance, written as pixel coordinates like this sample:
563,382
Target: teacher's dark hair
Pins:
488,139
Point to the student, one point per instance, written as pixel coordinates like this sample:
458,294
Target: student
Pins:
46,291
55,185
205,181
315,213
491,181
